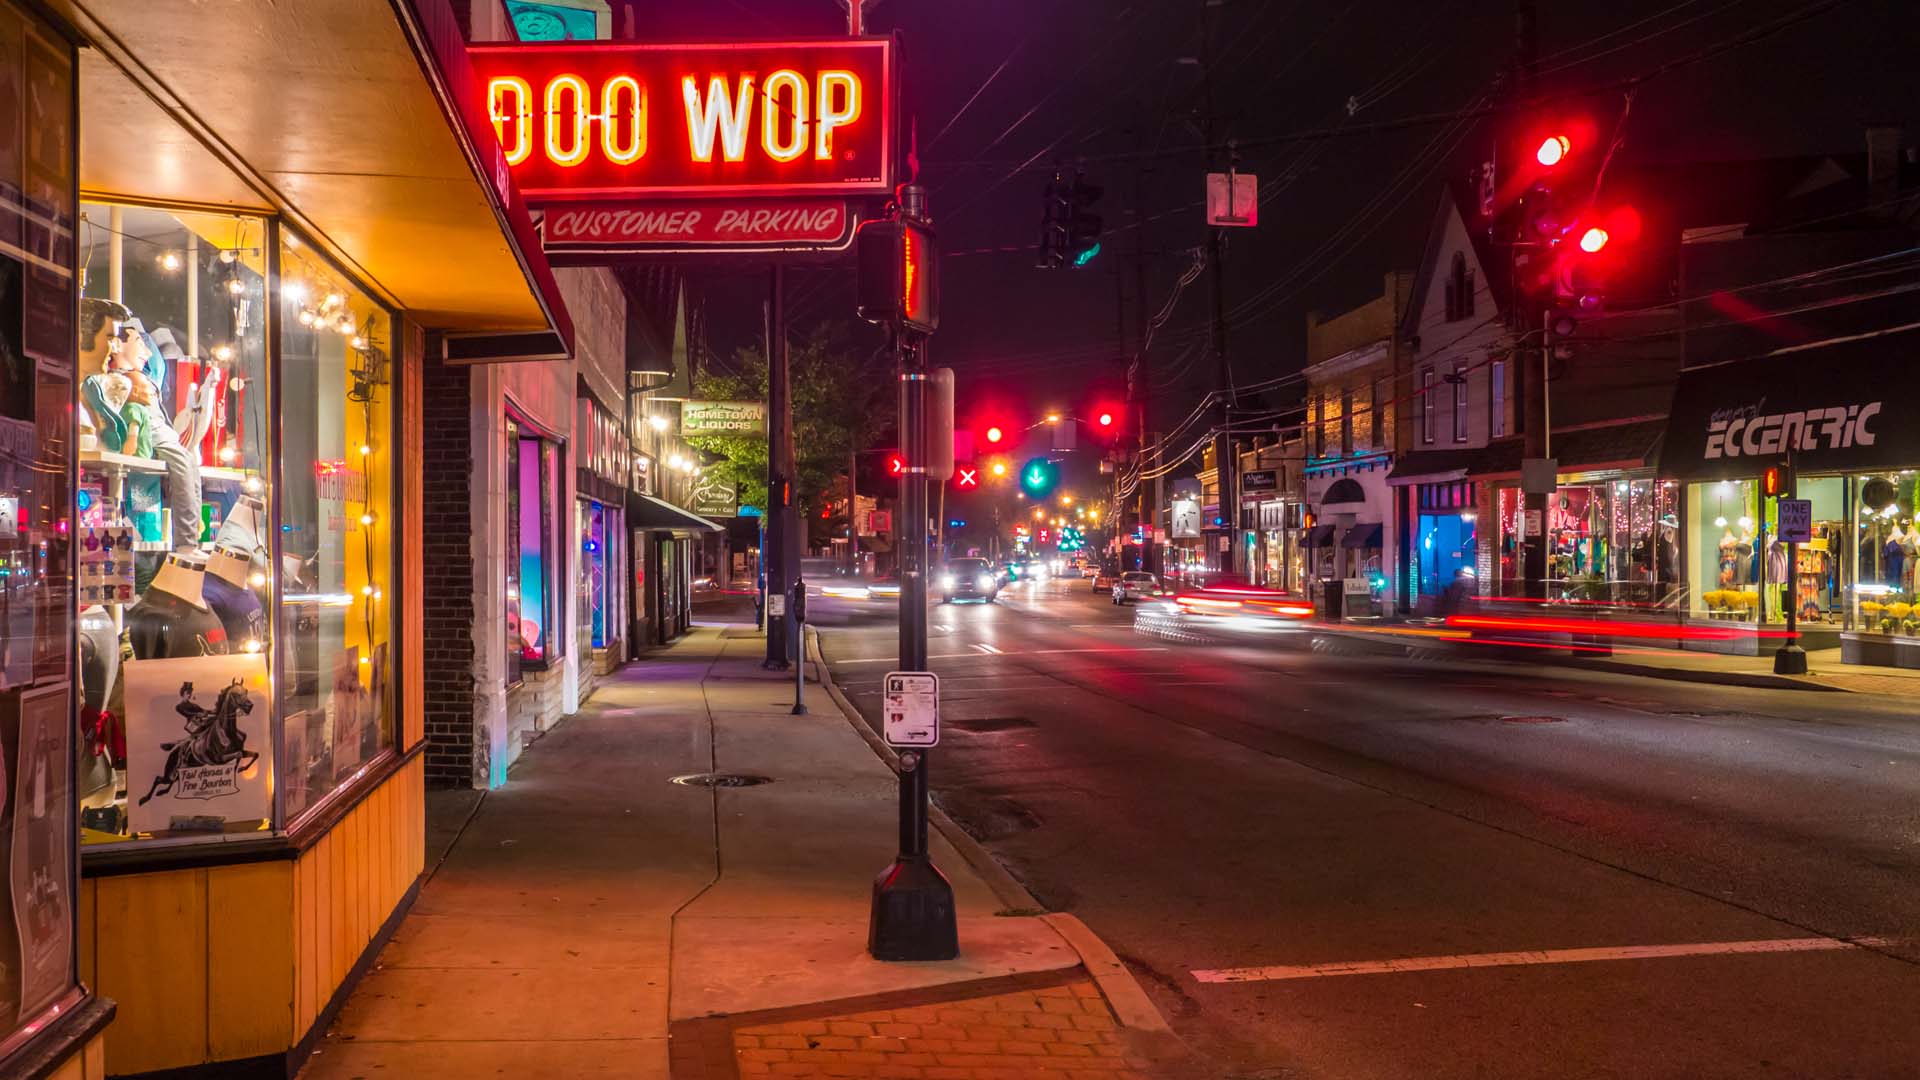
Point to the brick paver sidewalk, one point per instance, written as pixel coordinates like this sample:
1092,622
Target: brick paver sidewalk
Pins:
1053,1033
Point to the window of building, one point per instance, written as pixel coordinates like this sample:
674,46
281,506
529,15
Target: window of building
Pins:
334,635
1497,399
1459,289
1346,422
533,599
1427,393
1376,423
1316,417
1459,381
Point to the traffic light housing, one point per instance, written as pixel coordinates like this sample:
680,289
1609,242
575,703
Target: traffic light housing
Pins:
1777,481
899,274
1069,228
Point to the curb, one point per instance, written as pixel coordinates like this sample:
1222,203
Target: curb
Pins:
1132,1008
1013,896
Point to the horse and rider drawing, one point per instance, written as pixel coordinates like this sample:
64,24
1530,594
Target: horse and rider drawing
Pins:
213,736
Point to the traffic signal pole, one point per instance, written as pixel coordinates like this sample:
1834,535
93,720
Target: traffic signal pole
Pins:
912,915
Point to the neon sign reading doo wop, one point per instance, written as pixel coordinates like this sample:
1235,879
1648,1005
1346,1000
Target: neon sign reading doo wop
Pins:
600,120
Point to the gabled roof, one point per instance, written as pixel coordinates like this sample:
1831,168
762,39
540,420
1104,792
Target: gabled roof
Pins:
1456,198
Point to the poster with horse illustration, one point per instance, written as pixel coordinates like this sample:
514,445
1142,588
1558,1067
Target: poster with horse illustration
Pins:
198,741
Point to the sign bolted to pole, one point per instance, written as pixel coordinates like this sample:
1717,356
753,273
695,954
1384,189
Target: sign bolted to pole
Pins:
910,709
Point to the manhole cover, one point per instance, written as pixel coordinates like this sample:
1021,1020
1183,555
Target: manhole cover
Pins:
722,779
992,723
1531,719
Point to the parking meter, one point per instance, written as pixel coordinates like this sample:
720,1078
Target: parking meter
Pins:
797,607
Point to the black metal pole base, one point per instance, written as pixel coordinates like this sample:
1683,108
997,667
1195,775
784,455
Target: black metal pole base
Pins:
913,916
1790,660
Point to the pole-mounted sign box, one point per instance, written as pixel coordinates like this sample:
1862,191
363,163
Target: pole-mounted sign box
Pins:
629,121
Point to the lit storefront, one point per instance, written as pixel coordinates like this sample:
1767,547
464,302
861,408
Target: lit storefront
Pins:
1831,410
228,410
600,603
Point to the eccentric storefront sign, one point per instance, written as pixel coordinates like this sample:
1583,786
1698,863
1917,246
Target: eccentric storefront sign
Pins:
1827,406
723,418
737,225
626,121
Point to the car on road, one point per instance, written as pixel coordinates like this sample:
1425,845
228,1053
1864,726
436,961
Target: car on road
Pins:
1103,581
968,579
1135,585
1233,597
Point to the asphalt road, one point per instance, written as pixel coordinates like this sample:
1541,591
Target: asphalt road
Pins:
1424,869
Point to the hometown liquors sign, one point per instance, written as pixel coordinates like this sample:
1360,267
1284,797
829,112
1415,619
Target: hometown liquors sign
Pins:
723,418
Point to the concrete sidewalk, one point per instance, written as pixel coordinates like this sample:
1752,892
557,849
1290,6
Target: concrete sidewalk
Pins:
593,918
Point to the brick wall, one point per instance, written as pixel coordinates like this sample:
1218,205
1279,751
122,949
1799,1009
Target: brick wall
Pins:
447,537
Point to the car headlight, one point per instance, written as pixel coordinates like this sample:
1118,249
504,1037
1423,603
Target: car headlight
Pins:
984,581
946,581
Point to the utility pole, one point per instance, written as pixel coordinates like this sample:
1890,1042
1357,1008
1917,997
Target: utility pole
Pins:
1534,419
1224,460
782,525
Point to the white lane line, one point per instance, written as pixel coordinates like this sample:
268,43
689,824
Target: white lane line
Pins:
1537,956
985,648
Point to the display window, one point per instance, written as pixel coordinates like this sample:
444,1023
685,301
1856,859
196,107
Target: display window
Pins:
533,548
234,533
1882,594
1613,540
335,625
1724,554
1810,578
172,525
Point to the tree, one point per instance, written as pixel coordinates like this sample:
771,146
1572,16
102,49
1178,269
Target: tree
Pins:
842,400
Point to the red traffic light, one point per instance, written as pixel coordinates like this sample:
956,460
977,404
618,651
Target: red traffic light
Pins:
1593,240
1106,419
896,465
994,434
1553,150
1773,483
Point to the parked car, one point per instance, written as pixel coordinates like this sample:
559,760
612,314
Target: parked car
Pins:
968,579
1102,581
1135,585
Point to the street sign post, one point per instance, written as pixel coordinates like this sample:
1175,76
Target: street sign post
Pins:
910,709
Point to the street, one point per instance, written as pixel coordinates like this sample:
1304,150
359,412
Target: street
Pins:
1324,864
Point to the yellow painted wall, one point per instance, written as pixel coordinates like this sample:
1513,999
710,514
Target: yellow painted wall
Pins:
89,1064
230,962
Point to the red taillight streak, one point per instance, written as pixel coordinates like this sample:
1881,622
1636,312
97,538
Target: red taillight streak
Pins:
1608,628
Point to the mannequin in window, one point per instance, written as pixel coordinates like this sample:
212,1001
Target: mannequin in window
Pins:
232,599
143,361
1893,559
1729,558
1910,554
173,617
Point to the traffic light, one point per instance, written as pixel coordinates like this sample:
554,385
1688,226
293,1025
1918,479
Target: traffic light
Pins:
1776,481
1056,207
994,435
998,468
898,275
1038,477
966,476
1083,225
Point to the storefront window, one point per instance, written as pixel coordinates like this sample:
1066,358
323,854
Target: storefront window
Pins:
335,625
1813,588
176,708
532,549
1723,554
1885,592
1612,541
593,569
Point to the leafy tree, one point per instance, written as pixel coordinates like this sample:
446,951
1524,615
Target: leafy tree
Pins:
842,400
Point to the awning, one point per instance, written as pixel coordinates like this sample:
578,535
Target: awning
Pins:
1363,535
647,512
359,121
1840,406
1320,536
1433,466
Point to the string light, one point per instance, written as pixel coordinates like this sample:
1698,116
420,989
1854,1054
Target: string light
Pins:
366,590
306,317
228,453
229,255
254,486
235,286
239,384
223,353
170,262
357,342
257,579
659,423
295,291
365,449
251,646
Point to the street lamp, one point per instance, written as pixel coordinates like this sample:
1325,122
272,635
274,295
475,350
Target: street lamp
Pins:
1053,418
1066,500
1038,513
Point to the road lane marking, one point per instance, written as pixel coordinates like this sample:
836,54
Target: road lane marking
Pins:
985,648
1530,957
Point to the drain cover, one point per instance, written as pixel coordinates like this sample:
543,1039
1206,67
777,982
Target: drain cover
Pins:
722,779
1531,719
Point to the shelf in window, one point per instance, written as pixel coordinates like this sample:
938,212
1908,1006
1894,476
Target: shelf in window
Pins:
224,474
108,461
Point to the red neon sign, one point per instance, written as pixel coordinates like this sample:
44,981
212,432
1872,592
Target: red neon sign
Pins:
606,120
968,477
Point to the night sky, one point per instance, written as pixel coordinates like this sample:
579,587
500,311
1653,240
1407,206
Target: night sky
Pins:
1106,83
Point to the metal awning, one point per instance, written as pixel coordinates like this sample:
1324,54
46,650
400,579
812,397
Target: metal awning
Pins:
658,515
1320,536
359,121
1364,535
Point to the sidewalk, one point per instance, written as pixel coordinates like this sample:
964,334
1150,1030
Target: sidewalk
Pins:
592,918
1825,671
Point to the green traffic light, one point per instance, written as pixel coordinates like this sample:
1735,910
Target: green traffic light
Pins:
1086,256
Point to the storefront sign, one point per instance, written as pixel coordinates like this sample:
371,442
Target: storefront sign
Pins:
604,453
198,748
642,481
1530,522
1834,408
1256,481
723,418
714,497
648,121
684,226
